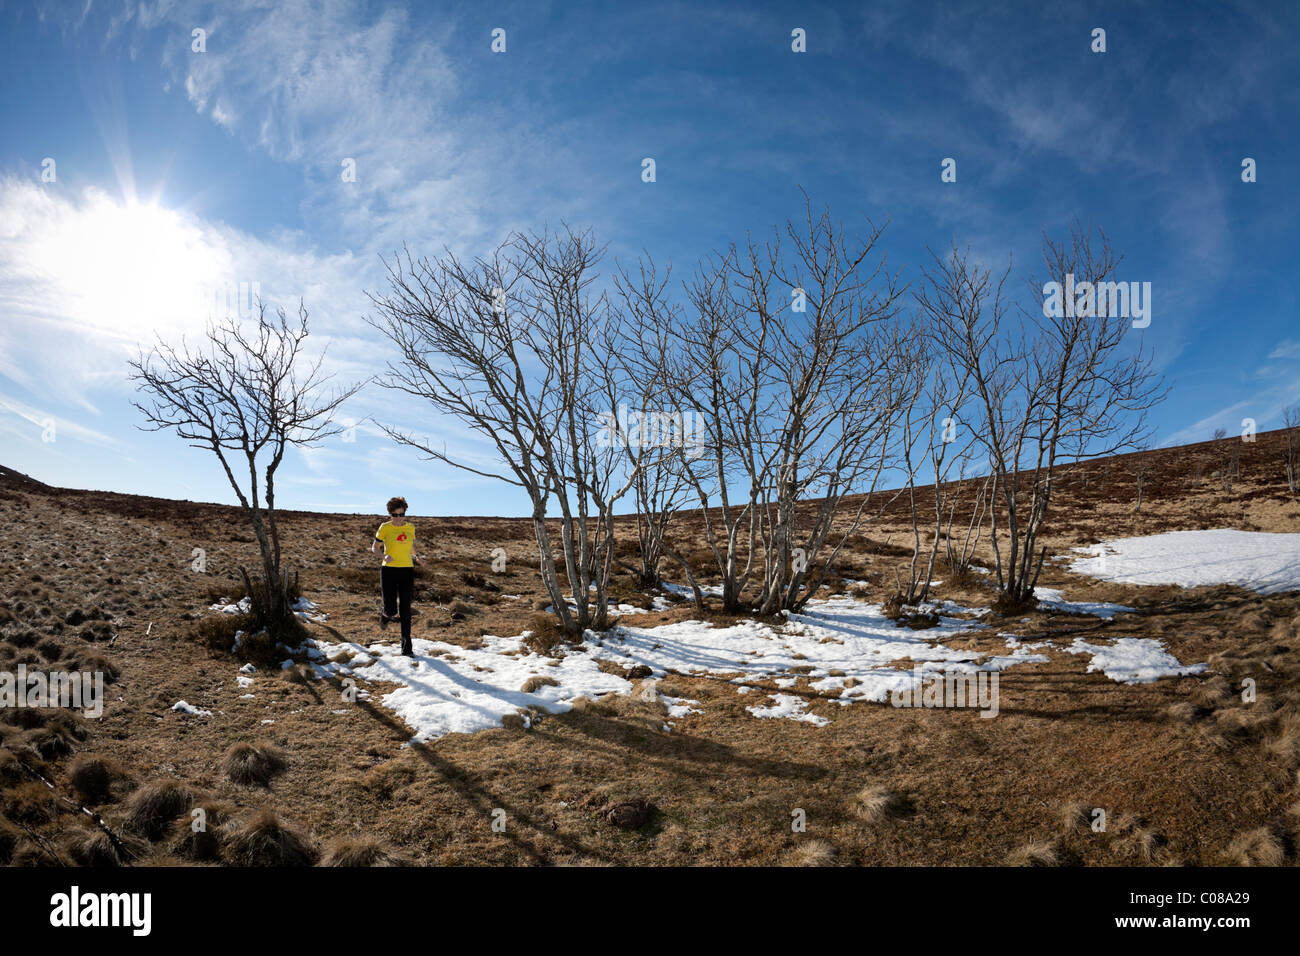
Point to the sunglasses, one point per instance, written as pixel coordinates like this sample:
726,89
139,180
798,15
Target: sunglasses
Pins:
397,514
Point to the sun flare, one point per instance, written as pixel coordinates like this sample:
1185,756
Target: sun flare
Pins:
130,268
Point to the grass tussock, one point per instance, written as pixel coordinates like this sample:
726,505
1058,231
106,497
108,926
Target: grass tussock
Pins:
1035,853
91,846
29,803
537,682
154,806
385,779
262,839
875,804
1074,815
200,839
92,778
10,836
253,764
1258,847
362,850
544,634
811,853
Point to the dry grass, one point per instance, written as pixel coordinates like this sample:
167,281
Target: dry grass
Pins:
1197,765
535,683
811,853
1258,847
29,803
877,803
93,778
1035,853
153,807
360,851
10,836
253,764
87,845
262,839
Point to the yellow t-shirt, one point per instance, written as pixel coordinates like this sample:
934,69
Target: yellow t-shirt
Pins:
399,542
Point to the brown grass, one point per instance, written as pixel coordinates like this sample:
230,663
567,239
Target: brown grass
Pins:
1035,853
152,807
1199,767
811,853
360,851
92,778
262,839
253,764
1257,847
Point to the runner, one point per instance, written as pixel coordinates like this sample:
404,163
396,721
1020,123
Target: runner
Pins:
396,537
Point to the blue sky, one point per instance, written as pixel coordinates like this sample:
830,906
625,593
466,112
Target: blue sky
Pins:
180,175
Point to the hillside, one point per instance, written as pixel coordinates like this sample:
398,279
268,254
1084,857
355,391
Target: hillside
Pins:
1187,771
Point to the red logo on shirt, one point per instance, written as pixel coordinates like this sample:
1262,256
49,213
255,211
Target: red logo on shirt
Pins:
402,536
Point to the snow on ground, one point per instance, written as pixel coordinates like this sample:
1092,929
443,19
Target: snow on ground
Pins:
680,706
1266,562
449,689
844,649
852,639
242,607
1133,660
1052,600
184,707
790,706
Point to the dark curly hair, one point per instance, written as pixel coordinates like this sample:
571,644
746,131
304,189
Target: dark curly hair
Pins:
394,503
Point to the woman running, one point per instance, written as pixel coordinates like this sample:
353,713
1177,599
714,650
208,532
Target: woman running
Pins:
396,537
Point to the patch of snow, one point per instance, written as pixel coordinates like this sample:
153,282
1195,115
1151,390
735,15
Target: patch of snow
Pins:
463,690
1133,660
1263,561
183,707
242,607
244,681
790,706
681,706
1052,599
708,590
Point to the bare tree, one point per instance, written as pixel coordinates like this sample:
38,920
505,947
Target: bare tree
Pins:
793,392
1223,454
960,554
665,481
1138,467
511,346
931,440
1291,452
1056,380
247,397
661,491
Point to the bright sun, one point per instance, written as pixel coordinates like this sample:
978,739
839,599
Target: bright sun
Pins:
133,268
